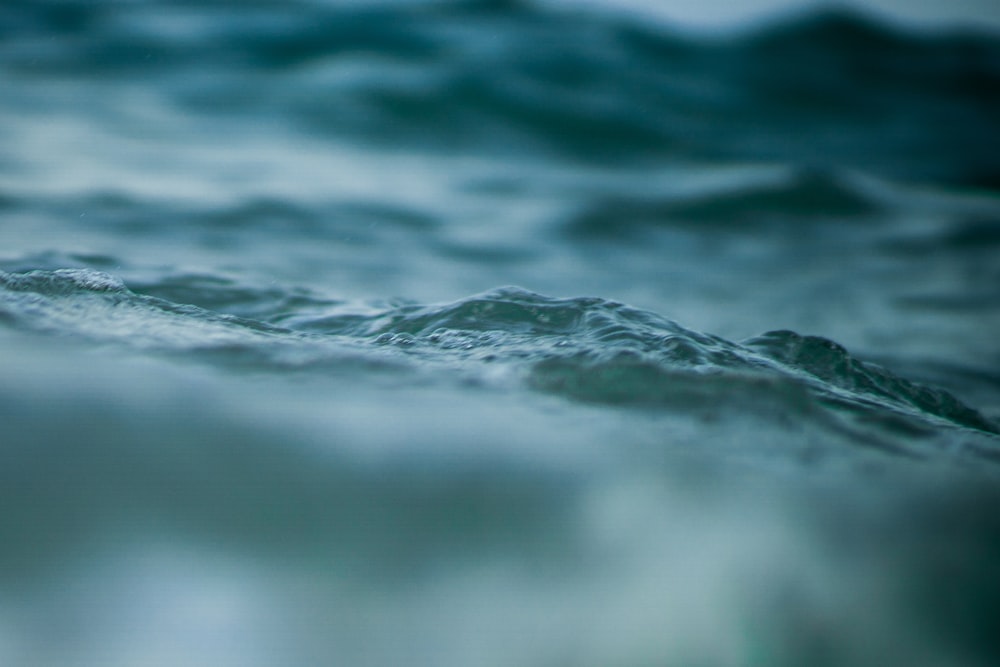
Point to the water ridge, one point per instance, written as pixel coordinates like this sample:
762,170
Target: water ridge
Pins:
574,85
584,348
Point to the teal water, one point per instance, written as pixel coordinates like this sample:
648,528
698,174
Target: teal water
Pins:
492,333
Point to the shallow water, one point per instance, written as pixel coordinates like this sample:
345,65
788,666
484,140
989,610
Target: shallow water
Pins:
495,333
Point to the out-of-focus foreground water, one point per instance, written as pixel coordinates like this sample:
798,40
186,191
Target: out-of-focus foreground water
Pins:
495,333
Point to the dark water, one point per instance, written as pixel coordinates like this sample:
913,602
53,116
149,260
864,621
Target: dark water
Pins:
269,395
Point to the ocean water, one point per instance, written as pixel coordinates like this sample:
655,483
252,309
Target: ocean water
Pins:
495,333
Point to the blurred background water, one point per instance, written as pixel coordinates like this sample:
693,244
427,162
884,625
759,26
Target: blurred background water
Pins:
499,332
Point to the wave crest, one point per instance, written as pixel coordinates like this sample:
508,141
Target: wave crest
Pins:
586,349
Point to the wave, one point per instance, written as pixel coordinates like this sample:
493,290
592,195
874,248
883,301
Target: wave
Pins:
587,350
826,90
412,449
796,200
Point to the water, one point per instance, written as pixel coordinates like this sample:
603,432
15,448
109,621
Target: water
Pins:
495,333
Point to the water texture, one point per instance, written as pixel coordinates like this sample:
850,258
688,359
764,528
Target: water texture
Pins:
504,333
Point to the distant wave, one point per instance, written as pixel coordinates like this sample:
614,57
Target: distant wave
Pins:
830,89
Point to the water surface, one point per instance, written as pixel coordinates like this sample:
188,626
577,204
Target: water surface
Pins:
495,333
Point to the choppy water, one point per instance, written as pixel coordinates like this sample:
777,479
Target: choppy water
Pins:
495,333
